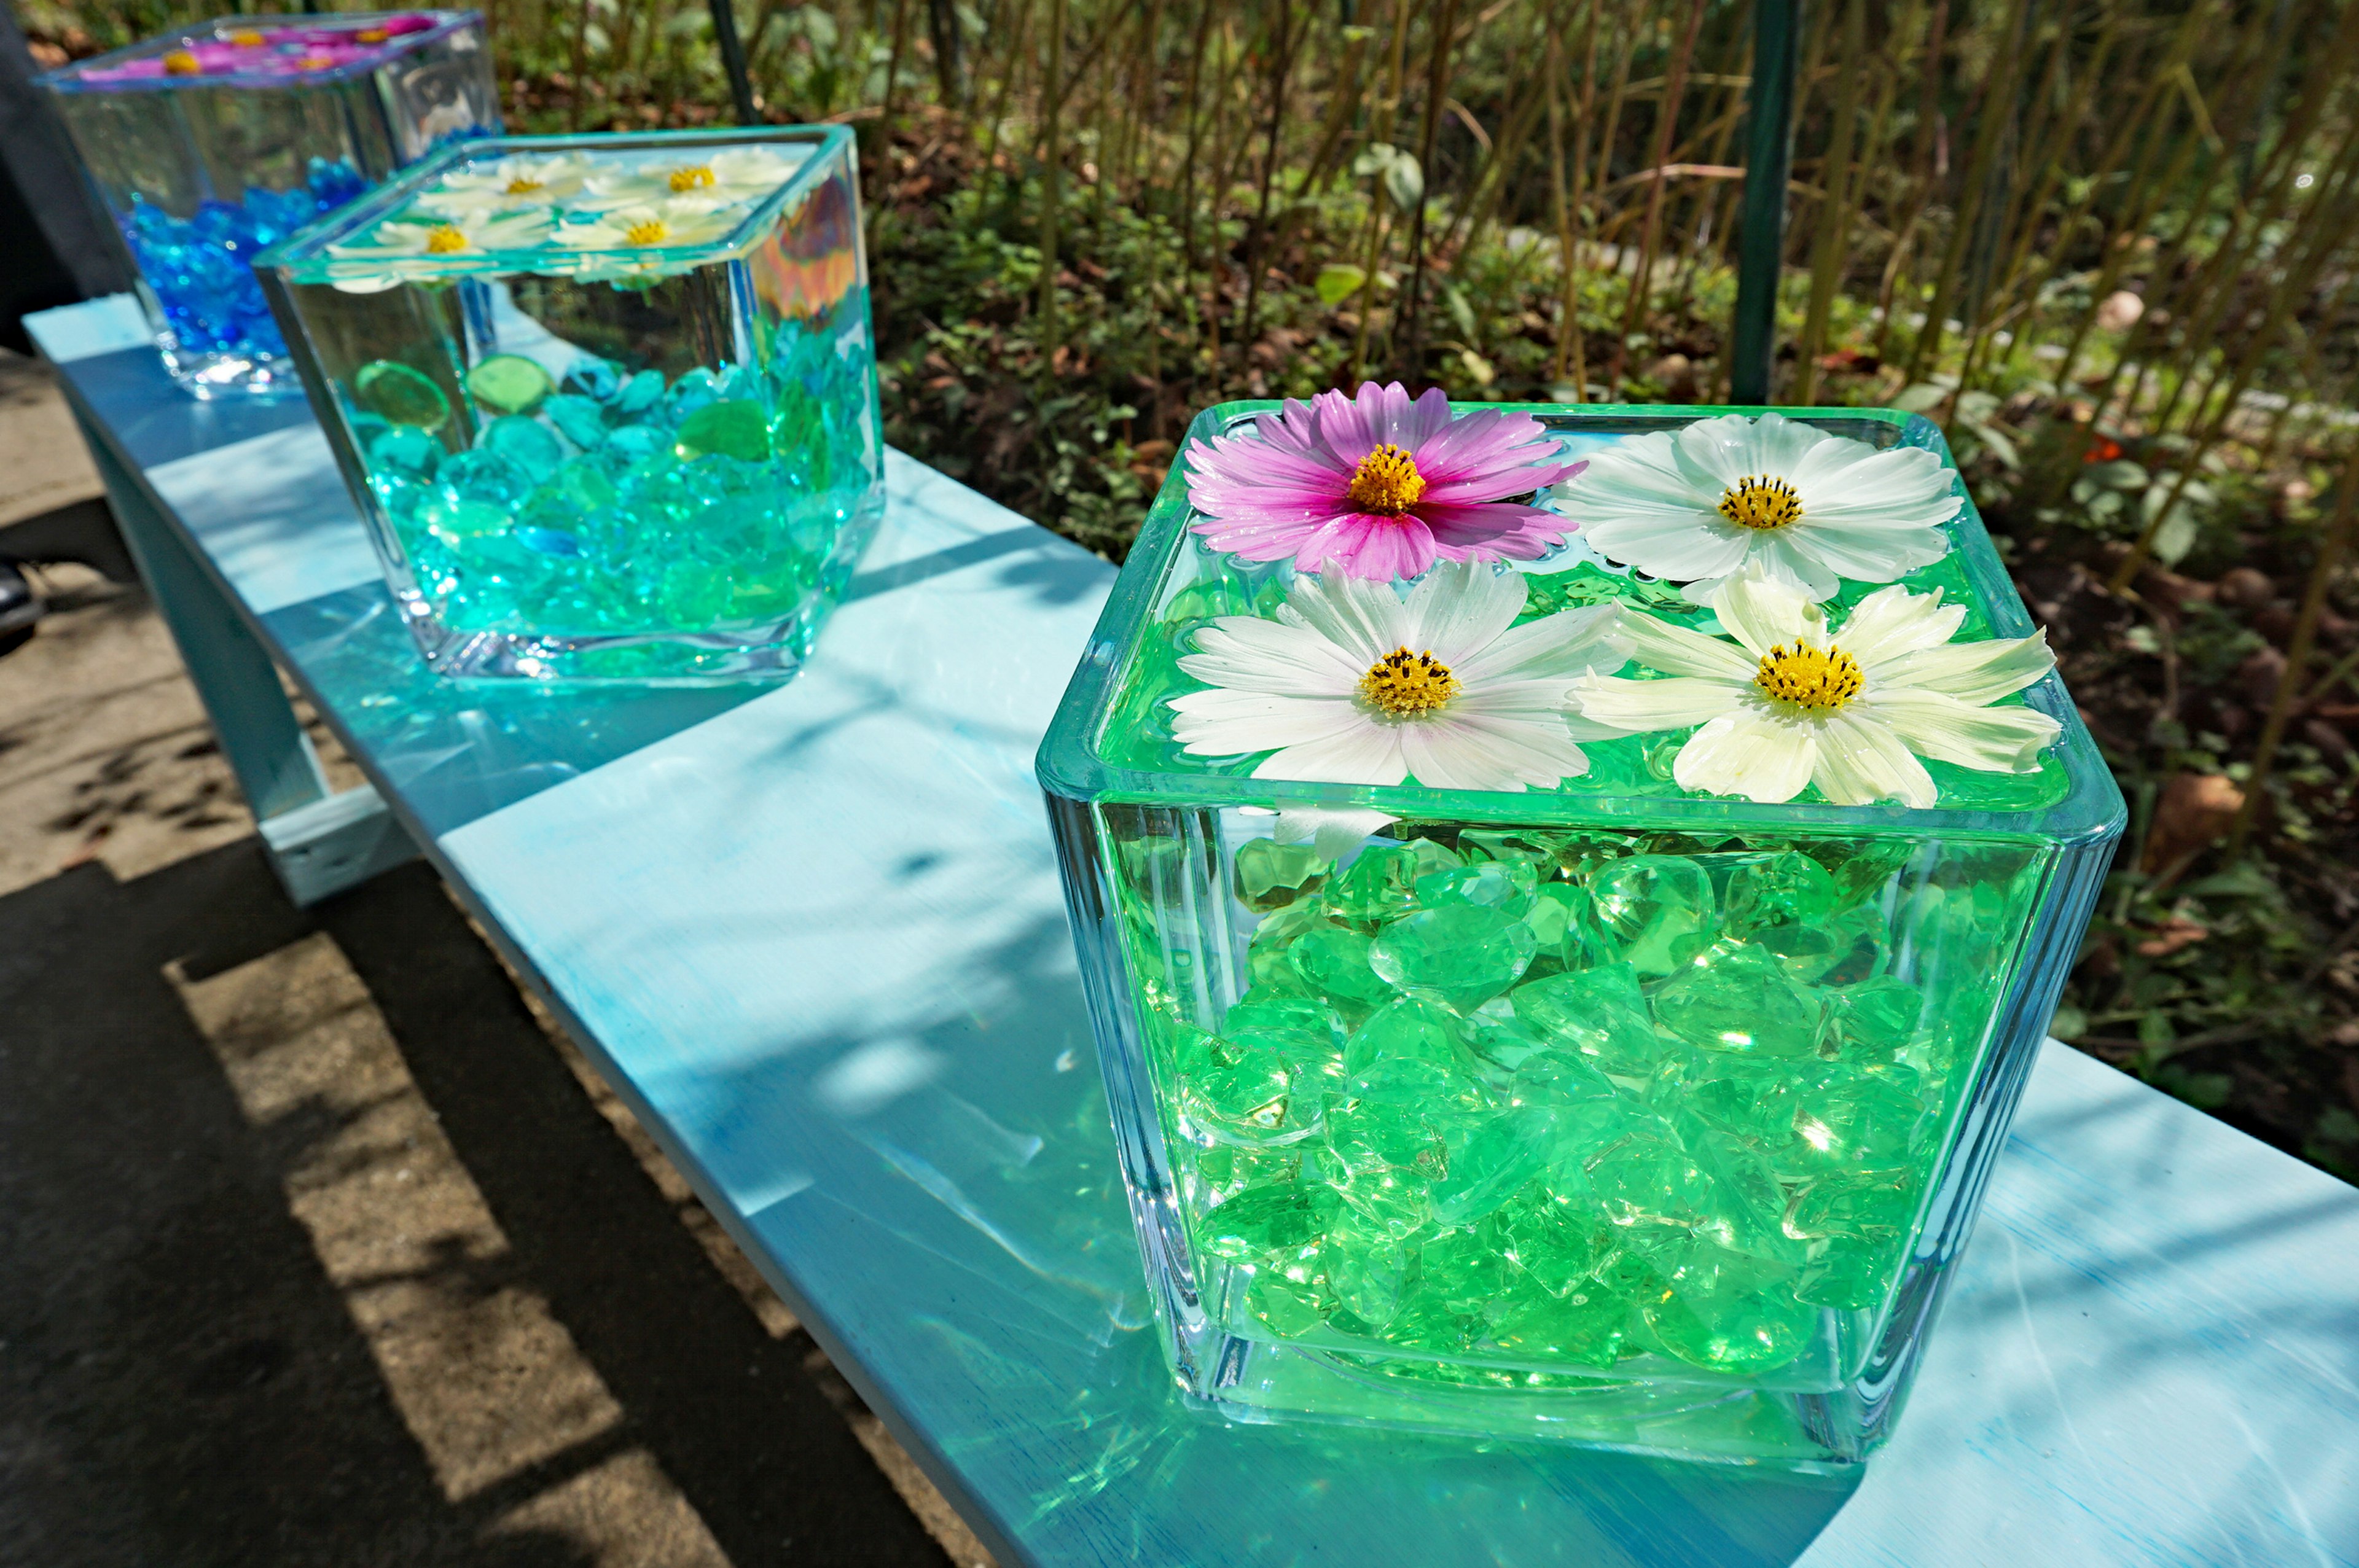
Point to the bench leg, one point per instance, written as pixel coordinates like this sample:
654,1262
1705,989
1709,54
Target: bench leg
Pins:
320,841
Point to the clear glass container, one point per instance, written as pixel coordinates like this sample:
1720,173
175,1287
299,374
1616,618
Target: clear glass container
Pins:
608,403
210,143
1613,1113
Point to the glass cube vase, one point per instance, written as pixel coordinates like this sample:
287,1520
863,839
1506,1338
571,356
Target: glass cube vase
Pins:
607,403
1615,1113
209,143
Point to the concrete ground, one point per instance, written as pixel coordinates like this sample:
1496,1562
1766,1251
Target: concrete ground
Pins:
317,1245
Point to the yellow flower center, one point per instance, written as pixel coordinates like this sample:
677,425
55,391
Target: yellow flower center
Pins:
444,238
371,35
1762,503
1816,680
695,176
1387,482
525,185
247,40
1404,684
316,62
651,232
181,62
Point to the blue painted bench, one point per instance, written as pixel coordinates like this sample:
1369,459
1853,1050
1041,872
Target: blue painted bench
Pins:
813,934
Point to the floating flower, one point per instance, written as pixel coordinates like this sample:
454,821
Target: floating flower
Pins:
649,225
1351,684
725,179
1378,486
1793,702
508,184
377,263
1698,505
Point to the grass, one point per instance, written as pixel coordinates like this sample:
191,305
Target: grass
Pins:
2108,243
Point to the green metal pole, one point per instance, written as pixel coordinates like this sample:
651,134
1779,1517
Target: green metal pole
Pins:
1769,159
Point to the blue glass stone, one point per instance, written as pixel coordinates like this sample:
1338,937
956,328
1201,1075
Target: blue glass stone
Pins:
639,395
524,441
406,450
486,477
550,541
577,417
593,378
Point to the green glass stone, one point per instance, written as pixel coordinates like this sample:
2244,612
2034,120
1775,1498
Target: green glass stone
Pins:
1335,962
1599,1014
1382,1200
1490,1162
509,384
1880,1017
1853,1275
1585,1327
1405,1028
1738,997
1465,954
1652,1181
739,429
1555,1079
1426,1323
1380,883
1509,886
1725,1330
401,395
1367,1269
1271,875
578,419
1638,907
1862,1121
1553,913
1783,889
1245,1099
404,451
1747,1210
1461,1268
1556,1245
1288,1308
1260,1220
1857,1204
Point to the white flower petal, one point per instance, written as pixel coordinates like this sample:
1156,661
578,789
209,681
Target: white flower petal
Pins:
1460,607
1246,653
1677,651
1364,618
1636,707
1893,622
1977,673
1764,613
1748,753
1860,760
1220,723
1558,647
1465,751
1333,831
1365,754
1989,740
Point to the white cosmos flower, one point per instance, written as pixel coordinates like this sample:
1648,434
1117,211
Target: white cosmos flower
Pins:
1352,685
1794,702
688,222
405,247
1699,504
727,176
509,184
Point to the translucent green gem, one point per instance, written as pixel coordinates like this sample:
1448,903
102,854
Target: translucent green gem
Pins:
738,429
1407,1027
1586,1326
509,384
1738,997
1638,907
1465,953
1862,1123
1599,1014
1858,1203
401,395
1271,875
1491,1161
1336,961
1263,1219
1380,884
1508,886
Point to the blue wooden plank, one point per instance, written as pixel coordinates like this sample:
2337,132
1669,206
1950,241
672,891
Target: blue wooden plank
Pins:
813,934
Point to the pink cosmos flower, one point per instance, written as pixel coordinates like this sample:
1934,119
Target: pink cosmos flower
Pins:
1378,486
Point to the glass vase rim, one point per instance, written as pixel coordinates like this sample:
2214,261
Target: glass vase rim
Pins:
305,249
1069,763
74,76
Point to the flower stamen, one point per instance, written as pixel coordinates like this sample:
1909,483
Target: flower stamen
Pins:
247,40
1387,482
651,232
445,239
1761,504
1406,685
694,177
525,185
1816,680
181,62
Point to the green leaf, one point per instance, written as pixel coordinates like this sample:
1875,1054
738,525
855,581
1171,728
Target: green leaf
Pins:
1338,281
1463,315
2119,474
2070,1023
1921,398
